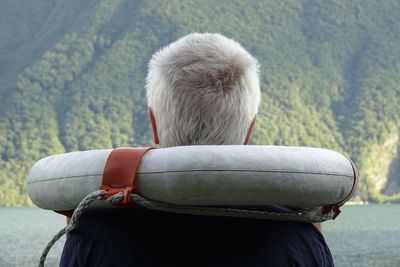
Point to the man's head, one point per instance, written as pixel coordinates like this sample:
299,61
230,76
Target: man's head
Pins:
202,89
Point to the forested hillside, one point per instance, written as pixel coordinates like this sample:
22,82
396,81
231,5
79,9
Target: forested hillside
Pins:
72,77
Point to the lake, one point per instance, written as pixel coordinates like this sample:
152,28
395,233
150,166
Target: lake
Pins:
364,236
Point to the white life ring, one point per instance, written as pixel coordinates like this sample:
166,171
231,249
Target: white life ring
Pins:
301,177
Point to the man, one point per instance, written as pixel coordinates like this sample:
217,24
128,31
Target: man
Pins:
202,89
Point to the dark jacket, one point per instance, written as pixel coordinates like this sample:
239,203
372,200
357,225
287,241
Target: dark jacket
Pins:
139,237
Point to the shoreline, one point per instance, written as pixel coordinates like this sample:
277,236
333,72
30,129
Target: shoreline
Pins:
355,203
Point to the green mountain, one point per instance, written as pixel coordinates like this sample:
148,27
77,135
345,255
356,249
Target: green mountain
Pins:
72,77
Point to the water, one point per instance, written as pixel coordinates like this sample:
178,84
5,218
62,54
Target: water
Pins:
24,232
360,236
365,236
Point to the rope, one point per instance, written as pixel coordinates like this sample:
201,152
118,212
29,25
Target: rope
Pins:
49,245
89,199
304,216
115,198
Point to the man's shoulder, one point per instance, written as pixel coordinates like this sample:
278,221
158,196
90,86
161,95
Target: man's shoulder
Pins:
130,219
208,238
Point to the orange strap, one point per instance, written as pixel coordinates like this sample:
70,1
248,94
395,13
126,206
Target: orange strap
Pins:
120,172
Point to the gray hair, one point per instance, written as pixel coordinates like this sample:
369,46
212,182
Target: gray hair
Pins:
203,89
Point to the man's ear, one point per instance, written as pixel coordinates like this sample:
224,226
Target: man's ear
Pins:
246,141
153,126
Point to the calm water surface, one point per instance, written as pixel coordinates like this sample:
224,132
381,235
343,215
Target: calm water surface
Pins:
365,236
360,236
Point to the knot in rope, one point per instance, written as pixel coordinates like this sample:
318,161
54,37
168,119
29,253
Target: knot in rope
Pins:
115,198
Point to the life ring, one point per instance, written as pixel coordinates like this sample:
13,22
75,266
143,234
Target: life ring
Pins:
302,177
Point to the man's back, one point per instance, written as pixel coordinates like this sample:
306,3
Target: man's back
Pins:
140,237
202,89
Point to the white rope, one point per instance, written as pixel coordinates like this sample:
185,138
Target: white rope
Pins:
304,216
